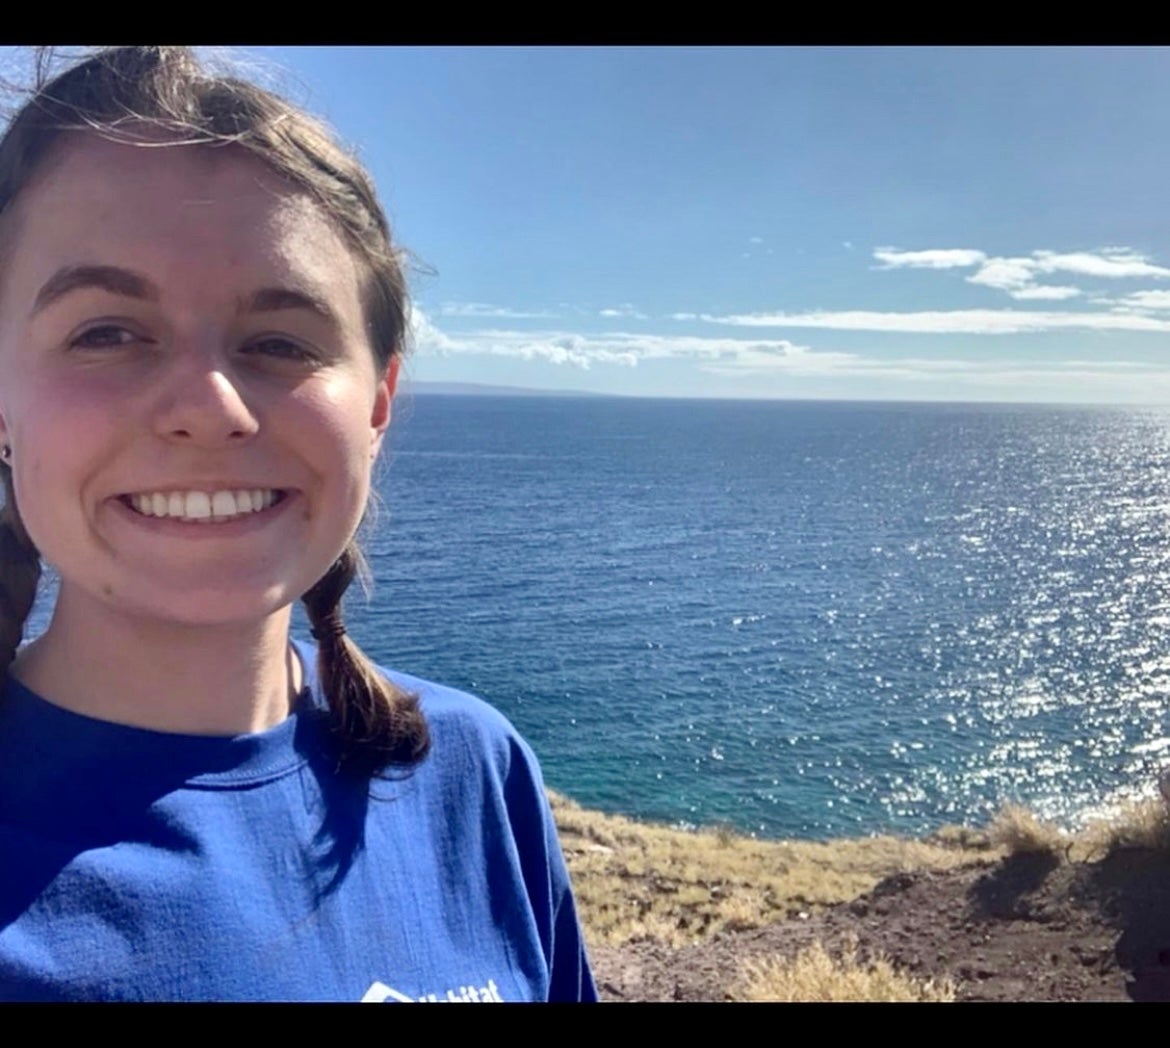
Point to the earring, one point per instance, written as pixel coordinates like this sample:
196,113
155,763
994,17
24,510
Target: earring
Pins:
5,453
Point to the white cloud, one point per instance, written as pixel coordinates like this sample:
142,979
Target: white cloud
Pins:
1047,291
1159,299
482,310
948,322
935,258
766,357
583,351
625,348
624,310
1111,262
1018,275
1127,379
427,338
755,240
1005,273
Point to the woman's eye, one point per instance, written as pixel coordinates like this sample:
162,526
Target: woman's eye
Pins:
105,336
281,348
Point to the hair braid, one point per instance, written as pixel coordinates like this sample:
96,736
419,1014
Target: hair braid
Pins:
375,723
20,571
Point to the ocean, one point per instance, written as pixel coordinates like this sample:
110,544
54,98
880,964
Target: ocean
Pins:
800,619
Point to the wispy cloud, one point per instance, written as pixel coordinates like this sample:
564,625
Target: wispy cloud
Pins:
1005,274
558,347
1129,380
584,350
764,359
780,357
576,336
948,322
1158,299
1110,262
624,310
934,258
1045,291
483,311
1018,275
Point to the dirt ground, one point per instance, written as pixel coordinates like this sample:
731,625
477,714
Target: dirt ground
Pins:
1030,928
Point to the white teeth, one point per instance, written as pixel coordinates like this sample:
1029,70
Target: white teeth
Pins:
201,506
198,505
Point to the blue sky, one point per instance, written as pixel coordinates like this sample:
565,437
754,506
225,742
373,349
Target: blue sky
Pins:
893,223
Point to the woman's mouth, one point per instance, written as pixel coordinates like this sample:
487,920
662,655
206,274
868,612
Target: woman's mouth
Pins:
203,507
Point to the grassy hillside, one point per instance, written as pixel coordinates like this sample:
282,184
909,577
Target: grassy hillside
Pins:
1018,911
634,880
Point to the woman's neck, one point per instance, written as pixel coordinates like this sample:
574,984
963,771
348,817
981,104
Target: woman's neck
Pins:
226,679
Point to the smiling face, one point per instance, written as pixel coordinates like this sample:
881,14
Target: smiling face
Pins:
186,381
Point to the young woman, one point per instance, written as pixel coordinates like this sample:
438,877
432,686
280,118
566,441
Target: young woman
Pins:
201,321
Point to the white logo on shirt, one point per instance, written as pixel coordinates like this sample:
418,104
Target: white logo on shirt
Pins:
379,993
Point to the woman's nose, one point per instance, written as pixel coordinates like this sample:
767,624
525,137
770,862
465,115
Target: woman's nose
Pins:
205,404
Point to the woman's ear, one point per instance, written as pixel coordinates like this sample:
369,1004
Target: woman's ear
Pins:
384,395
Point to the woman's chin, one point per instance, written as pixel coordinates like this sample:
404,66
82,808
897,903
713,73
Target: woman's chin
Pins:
185,606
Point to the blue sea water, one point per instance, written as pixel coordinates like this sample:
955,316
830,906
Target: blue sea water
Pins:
801,618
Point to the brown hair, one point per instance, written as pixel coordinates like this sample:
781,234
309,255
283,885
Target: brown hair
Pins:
135,95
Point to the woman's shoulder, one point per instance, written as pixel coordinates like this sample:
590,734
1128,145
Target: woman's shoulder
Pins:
446,704
460,724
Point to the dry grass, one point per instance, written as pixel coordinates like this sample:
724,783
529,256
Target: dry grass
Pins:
636,880
1139,824
813,975
1018,832
964,838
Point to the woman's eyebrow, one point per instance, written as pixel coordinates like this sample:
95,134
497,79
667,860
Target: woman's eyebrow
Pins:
129,284
270,299
105,278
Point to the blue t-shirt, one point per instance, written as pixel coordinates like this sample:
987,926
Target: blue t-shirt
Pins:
145,866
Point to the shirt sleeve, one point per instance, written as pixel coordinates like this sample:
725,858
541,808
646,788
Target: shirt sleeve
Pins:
570,976
547,877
